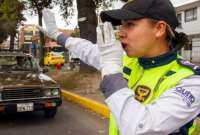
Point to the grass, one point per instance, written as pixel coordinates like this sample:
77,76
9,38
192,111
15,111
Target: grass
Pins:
68,82
69,79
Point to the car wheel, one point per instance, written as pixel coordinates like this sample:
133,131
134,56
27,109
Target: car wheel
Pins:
50,113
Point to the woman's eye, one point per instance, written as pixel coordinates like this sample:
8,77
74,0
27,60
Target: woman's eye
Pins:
129,24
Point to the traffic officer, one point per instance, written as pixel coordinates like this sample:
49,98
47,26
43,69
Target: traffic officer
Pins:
154,91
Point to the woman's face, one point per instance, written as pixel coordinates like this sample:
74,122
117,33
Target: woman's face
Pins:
138,37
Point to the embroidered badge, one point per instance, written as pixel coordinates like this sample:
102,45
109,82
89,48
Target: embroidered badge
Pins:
142,93
186,95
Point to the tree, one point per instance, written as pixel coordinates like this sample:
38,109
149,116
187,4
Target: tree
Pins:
87,17
3,31
37,6
3,23
10,17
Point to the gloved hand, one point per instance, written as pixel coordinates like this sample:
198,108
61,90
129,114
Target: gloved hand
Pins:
51,28
111,51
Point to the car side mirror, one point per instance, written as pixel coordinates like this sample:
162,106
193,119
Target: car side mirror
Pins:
45,70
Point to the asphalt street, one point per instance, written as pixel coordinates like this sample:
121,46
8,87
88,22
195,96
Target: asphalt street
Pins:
71,119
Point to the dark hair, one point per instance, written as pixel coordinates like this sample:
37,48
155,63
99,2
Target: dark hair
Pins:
176,40
179,41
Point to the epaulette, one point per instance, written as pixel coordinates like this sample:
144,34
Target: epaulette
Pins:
190,65
127,70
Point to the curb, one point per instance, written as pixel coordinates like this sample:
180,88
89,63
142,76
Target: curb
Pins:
87,103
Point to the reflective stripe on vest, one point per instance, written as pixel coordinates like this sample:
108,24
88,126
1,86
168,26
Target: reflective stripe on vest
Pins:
149,84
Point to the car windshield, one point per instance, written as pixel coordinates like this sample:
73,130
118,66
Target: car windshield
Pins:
57,49
17,63
54,49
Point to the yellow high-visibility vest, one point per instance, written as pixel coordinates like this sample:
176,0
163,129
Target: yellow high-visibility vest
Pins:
149,84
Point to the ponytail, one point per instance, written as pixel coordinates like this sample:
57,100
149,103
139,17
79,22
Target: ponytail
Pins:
176,40
179,41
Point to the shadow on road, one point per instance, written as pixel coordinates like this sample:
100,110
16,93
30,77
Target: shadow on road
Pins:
23,118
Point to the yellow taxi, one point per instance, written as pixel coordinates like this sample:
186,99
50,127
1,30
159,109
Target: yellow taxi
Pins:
54,55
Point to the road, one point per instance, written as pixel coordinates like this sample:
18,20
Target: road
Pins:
71,119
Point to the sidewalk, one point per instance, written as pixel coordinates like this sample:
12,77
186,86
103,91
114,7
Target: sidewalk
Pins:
91,94
93,105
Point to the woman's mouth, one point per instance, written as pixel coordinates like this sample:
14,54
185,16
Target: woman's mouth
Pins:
124,46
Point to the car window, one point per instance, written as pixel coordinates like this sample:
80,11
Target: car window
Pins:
17,63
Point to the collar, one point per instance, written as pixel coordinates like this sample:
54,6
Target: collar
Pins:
157,61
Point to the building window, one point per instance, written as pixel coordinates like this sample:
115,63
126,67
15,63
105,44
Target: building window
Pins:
179,16
27,39
191,15
29,33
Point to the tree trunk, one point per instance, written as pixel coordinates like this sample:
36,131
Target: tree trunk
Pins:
42,41
87,21
12,40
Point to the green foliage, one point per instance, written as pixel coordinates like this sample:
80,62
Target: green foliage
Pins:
67,7
104,4
10,16
37,6
11,11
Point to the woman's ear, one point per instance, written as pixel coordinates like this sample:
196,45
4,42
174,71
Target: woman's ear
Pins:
160,29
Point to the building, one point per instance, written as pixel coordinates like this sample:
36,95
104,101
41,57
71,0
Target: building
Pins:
29,36
188,14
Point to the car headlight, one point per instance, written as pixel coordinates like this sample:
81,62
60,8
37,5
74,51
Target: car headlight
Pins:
55,92
47,92
51,92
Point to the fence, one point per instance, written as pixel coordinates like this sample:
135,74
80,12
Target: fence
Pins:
193,54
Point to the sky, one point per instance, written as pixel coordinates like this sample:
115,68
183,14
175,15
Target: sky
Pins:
73,22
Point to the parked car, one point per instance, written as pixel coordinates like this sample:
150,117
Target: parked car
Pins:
24,87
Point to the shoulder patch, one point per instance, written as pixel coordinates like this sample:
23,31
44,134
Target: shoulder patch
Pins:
190,65
127,70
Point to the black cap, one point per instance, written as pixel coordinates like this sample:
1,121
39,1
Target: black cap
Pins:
137,9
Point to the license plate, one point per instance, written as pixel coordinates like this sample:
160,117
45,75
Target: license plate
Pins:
25,107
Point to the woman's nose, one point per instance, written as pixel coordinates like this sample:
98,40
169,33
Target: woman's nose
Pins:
122,34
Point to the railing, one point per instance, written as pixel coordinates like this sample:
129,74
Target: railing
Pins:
193,54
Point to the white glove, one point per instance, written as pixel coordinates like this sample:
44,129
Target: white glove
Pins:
51,29
111,51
